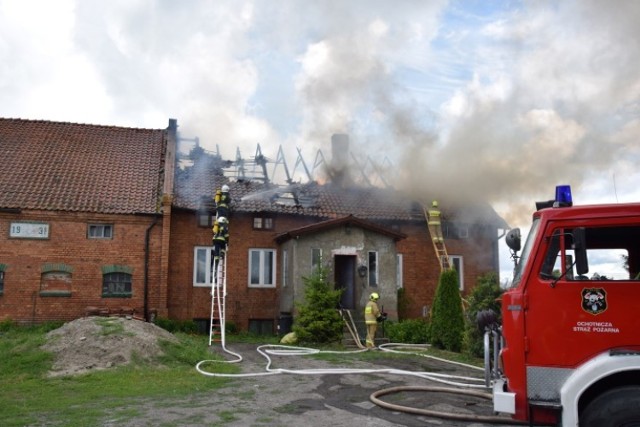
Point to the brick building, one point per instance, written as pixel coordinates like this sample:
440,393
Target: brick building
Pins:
100,218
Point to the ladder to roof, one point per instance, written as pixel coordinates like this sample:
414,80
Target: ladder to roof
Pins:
440,249
218,297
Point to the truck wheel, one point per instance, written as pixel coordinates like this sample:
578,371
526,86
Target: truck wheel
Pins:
614,408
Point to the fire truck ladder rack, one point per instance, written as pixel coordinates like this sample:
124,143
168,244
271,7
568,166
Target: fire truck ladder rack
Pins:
218,296
439,247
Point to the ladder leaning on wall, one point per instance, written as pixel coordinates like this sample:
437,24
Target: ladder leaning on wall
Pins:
218,297
435,231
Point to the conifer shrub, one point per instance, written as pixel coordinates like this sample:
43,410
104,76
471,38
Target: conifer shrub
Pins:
318,320
446,330
484,296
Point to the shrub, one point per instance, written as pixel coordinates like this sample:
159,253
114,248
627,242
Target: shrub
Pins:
447,321
484,296
318,320
410,331
186,326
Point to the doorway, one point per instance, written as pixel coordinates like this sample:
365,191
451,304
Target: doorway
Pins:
345,279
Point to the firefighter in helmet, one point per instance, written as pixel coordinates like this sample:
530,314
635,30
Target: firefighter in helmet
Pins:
220,240
371,316
433,220
223,200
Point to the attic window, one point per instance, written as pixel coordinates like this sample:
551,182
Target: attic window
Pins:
262,223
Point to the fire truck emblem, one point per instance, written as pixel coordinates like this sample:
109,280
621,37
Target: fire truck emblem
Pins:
594,300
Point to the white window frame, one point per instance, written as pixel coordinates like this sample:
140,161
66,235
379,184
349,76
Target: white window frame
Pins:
316,261
285,267
460,261
101,228
399,265
261,270
207,266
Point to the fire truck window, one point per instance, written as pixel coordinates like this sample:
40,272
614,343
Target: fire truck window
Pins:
611,253
550,264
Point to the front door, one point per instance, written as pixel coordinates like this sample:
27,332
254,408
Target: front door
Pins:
345,278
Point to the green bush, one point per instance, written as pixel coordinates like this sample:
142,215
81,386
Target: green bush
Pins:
318,320
484,296
410,331
447,321
186,326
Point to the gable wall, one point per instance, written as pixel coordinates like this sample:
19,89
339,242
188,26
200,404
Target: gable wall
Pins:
24,301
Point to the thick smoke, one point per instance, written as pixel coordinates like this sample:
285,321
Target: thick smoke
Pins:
468,101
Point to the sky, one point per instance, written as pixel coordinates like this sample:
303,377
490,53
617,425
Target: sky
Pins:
498,101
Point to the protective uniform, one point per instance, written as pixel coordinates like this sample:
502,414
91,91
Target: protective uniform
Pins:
223,200
220,240
435,227
371,314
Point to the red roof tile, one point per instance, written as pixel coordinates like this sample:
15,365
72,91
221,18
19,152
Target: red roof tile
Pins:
78,167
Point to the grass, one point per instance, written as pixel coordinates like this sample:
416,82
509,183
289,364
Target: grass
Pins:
29,397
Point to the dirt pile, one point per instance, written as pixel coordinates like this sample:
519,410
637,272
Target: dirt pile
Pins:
94,343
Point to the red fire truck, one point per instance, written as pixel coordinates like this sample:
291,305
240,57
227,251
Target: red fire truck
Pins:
568,349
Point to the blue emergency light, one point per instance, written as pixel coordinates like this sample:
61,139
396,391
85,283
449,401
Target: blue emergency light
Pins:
563,196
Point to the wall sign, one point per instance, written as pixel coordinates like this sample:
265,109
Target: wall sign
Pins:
29,230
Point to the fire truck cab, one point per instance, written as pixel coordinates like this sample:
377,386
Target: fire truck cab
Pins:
568,349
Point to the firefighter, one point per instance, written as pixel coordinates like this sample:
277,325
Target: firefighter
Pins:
220,240
223,200
371,316
435,227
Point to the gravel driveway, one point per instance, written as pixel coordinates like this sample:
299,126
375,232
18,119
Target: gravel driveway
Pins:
315,400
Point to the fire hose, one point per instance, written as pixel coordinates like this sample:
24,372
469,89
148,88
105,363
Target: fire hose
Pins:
465,385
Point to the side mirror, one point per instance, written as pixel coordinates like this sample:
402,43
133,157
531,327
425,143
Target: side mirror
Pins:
580,249
513,239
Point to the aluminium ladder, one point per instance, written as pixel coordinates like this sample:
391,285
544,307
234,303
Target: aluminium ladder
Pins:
439,247
218,296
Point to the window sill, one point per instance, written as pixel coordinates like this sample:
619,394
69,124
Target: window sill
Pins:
116,295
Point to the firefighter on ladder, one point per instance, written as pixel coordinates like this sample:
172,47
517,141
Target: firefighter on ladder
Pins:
220,241
223,200
435,227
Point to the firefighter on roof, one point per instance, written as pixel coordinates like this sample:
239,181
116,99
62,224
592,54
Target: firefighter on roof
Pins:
435,227
371,316
223,200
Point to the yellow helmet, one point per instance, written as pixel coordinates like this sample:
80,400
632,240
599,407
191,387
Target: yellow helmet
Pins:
374,296
434,203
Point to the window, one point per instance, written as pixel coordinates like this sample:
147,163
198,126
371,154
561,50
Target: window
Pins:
285,267
373,269
202,265
262,263
611,254
261,326
457,264
399,278
100,231
262,223
316,258
205,218
1,281
116,284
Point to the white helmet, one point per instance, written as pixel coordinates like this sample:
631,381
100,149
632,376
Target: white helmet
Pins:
223,220
225,188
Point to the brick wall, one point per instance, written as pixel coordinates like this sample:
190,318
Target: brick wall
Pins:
25,301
